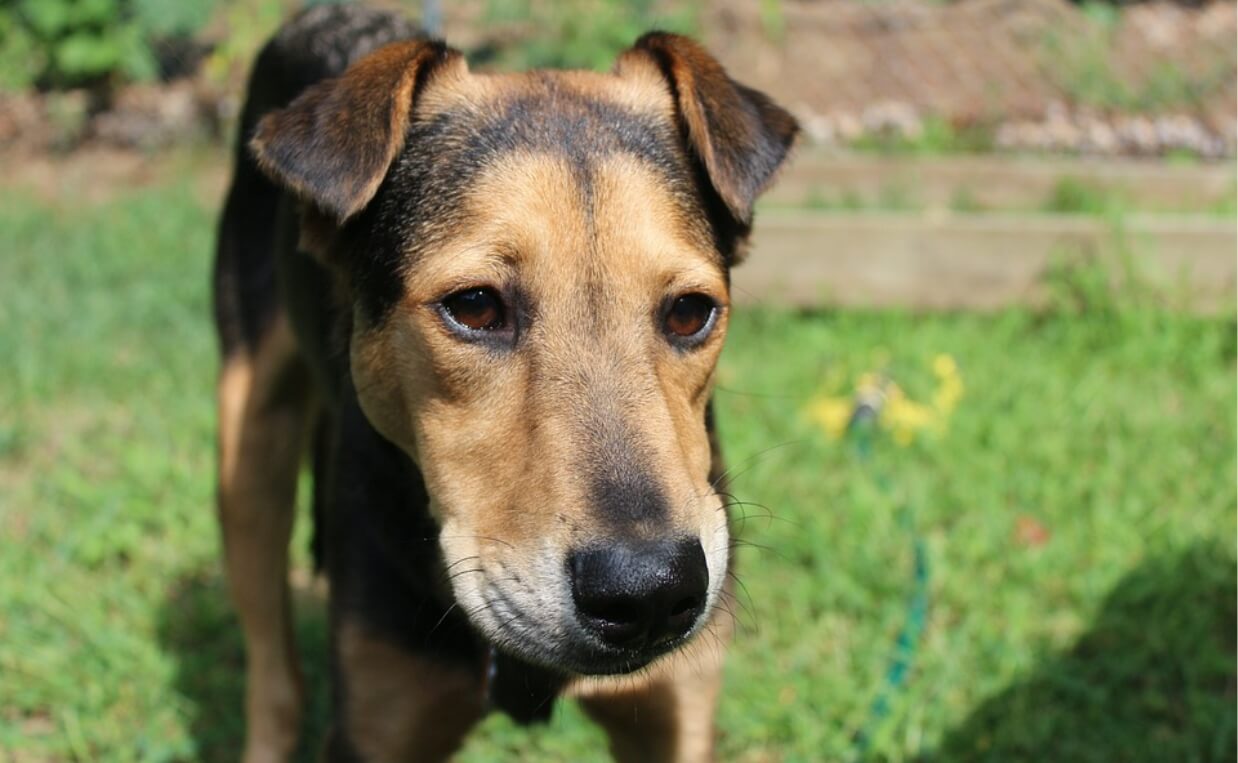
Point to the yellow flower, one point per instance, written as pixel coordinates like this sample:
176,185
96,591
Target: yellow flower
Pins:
950,385
901,416
945,367
946,397
833,414
905,418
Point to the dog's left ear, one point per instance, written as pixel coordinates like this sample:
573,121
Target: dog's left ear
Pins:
333,144
739,134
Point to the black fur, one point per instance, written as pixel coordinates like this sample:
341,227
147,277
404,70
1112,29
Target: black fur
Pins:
257,221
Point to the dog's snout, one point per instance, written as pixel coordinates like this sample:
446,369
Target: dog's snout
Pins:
639,595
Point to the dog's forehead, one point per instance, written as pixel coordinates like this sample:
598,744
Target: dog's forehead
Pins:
468,125
589,132
465,123
640,92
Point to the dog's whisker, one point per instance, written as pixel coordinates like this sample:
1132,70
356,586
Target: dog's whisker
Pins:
750,462
461,560
763,513
747,603
748,393
767,514
477,537
442,619
459,573
737,543
745,616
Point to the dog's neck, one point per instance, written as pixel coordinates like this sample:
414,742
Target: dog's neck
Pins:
525,692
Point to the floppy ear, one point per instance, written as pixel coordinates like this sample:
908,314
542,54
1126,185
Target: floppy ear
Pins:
333,144
739,134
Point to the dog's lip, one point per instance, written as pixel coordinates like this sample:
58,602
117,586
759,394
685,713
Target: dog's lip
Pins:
611,661
579,653
589,661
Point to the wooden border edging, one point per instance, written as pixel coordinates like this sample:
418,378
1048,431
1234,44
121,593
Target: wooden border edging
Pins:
972,262
996,182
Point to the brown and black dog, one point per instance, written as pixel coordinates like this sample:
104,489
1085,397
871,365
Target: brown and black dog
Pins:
490,307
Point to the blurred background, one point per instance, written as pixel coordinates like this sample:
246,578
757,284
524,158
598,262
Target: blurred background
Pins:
979,400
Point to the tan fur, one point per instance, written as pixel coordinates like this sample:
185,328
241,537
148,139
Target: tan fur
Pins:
401,707
261,439
501,451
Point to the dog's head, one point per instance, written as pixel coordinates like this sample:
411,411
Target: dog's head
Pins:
538,266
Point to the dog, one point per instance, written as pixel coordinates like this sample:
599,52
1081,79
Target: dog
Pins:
487,309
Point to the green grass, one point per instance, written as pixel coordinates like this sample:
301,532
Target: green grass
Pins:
575,34
937,137
1078,514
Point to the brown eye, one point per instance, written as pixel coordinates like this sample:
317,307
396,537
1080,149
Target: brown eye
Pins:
689,315
476,309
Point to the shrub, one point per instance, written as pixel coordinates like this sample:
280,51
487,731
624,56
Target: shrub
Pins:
75,43
585,34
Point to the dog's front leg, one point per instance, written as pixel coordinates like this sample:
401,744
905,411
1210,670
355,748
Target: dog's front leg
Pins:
263,418
394,706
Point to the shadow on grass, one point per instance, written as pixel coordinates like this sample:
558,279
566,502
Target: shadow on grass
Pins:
1153,678
199,629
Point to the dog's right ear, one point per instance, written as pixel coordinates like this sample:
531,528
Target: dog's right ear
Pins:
740,135
333,144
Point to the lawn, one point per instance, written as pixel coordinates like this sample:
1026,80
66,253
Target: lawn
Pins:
1073,513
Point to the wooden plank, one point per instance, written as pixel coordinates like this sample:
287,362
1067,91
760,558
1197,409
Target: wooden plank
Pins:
994,182
973,262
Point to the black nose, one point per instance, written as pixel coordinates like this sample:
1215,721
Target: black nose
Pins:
635,595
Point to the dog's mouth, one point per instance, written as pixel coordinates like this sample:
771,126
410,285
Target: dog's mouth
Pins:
613,604
567,647
544,625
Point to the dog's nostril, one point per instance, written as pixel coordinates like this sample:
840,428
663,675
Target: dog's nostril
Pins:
685,606
618,612
635,595
618,620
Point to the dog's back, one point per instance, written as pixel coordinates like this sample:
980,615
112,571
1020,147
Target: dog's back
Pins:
318,43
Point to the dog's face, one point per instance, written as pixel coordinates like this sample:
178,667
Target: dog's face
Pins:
539,268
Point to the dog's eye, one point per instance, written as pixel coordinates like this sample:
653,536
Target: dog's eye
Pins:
476,309
690,315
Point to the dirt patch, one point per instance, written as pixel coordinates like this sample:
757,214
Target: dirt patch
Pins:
141,116
97,172
1155,78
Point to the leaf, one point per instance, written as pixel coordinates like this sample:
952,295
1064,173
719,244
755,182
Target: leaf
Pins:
163,18
137,60
21,60
94,13
48,18
82,55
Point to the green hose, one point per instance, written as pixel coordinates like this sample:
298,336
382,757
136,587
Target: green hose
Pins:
861,429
